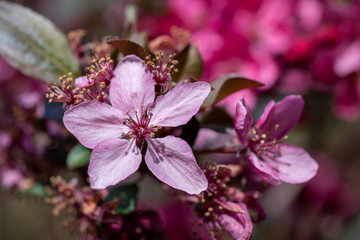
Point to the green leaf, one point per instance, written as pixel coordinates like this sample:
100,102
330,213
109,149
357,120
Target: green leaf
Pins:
226,85
126,195
37,190
190,63
128,47
130,20
78,156
33,45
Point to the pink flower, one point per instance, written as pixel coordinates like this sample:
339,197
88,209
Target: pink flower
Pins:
117,132
272,160
222,207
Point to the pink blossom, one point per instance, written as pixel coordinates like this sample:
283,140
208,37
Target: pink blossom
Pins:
117,132
10,177
222,207
271,159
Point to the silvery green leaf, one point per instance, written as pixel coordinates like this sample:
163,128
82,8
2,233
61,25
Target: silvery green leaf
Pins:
33,45
78,156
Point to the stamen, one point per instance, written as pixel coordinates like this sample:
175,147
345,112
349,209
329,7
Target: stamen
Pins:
162,67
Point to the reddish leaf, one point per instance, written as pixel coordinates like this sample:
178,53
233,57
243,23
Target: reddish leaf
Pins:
128,47
226,85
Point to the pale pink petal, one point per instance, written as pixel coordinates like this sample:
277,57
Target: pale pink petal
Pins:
171,160
310,13
209,42
294,165
264,170
10,177
82,82
180,104
132,85
348,61
243,120
261,66
265,114
283,116
113,160
238,225
208,139
230,101
93,122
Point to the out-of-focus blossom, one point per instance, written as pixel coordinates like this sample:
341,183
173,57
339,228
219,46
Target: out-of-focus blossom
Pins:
11,177
117,133
299,46
222,207
93,211
25,144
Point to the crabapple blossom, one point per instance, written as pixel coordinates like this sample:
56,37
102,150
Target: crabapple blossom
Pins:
117,132
271,159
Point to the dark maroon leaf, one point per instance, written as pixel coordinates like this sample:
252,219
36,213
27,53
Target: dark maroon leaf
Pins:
128,47
226,85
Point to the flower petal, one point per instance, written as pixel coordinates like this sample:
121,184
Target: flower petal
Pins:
82,82
171,160
243,120
208,139
265,114
180,104
132,85
294,165
264,170
238,225
93,122
113,160
282,117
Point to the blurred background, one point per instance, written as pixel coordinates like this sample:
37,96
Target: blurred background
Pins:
307,47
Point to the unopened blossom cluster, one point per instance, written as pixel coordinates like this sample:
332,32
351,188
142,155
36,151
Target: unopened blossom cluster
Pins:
92,210
27,140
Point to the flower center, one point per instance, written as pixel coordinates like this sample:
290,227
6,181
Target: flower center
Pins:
101,70
162,67
65,94
264,143
138,123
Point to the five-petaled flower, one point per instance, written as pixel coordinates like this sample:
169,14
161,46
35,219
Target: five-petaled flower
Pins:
117,132
272,160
